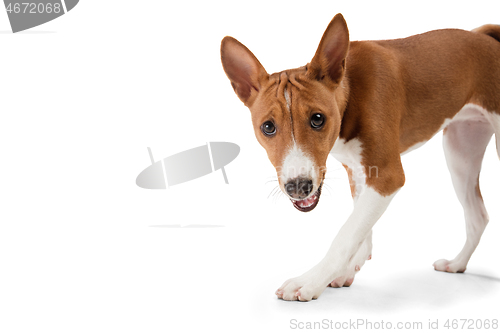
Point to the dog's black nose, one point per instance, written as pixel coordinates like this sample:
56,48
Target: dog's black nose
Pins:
299,188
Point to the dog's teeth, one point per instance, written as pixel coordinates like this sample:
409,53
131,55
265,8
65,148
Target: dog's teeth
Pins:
306,203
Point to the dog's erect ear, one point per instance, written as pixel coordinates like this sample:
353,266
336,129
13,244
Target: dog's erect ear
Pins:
242,68
329,60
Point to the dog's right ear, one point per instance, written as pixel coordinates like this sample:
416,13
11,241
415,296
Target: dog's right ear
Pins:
243,69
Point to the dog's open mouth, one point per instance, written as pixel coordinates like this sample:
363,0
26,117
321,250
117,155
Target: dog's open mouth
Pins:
308,204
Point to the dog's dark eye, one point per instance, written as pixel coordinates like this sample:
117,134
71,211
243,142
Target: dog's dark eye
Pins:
317,120
268,128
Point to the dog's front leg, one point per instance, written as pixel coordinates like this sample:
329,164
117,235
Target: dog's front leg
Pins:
340,258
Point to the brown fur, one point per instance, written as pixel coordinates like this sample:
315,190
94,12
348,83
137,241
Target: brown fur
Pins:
388,94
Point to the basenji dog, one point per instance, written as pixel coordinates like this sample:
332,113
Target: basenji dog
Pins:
367,103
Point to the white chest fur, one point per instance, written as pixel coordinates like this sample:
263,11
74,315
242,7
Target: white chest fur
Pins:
349,153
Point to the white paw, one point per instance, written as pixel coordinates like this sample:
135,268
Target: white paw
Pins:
450,266
310,285
303,288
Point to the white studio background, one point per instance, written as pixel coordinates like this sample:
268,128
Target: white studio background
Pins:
83,249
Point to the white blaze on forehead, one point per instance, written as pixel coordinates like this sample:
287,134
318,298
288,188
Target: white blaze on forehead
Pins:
287,99
297,164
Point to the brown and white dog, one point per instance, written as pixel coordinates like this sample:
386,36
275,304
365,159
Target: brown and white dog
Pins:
367,103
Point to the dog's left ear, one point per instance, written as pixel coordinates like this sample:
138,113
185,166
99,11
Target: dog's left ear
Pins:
242,68
329,60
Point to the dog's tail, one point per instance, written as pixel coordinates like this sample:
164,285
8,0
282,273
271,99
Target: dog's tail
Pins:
491,30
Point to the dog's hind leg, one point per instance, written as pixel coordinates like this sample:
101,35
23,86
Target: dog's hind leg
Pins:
464,144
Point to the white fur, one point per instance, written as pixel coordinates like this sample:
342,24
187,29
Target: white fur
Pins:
296,164
349,153
287,99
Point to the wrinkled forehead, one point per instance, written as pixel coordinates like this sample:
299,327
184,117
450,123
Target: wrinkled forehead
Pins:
289,80
296,90
277,90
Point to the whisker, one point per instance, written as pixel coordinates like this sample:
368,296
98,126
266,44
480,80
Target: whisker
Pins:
328,188
277,192
278,196
273,191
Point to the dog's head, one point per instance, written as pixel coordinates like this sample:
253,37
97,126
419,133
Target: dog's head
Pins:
296,114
